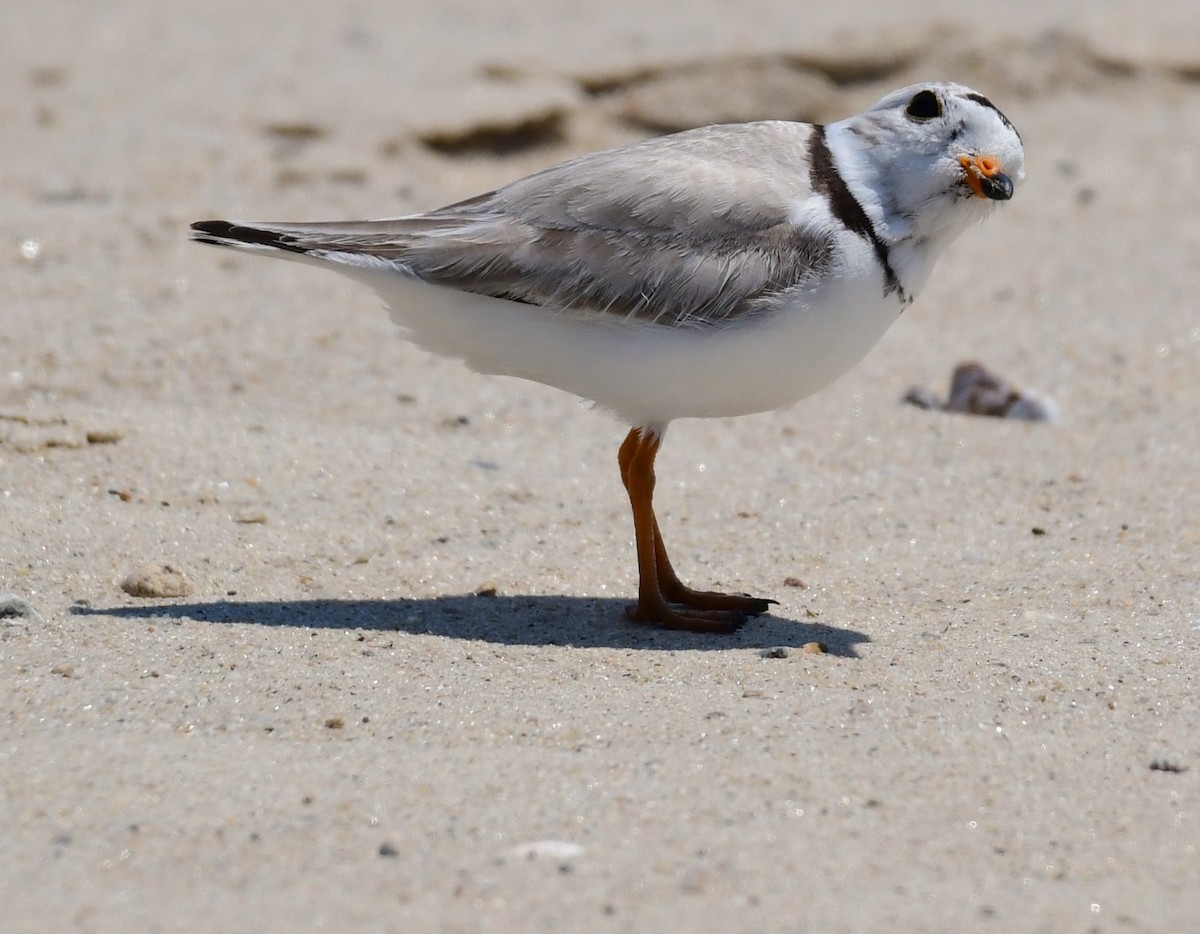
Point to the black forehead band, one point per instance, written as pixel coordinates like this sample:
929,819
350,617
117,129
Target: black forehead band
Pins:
984,102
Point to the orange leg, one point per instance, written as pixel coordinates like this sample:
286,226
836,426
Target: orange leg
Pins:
659,585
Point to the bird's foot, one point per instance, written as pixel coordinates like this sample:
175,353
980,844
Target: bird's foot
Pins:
677,606
676,592
660,613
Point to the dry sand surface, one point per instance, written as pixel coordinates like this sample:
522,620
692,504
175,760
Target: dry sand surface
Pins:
332,730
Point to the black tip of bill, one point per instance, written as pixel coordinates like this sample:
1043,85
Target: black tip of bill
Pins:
998,187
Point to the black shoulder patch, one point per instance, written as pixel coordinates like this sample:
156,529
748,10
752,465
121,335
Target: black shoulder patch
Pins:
825,178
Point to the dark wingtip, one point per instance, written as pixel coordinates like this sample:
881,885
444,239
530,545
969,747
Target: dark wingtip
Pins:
216,228
226,233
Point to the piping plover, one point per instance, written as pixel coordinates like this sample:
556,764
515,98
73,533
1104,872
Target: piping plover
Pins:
715,272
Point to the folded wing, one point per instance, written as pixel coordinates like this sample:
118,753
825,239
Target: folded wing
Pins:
652,231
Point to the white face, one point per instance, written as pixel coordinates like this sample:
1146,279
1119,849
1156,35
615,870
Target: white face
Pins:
946,154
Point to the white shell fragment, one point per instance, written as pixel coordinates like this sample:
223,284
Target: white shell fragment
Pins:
548,849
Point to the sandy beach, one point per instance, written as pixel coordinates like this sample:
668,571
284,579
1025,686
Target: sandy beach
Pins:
398,691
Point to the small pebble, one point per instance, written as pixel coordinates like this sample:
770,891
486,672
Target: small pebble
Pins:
335,723
815,648
776,651
157,580
487,589
388,849
14,607
794,582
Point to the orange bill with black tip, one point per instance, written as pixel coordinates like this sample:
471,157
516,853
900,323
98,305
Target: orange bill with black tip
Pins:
985,177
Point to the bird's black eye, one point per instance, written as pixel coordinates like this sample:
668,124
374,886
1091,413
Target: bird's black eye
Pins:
925,105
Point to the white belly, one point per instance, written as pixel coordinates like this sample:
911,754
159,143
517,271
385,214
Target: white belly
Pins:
650,374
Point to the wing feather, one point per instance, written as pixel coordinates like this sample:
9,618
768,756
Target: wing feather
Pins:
688,229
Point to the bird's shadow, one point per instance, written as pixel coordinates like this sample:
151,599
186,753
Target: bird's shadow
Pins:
509,620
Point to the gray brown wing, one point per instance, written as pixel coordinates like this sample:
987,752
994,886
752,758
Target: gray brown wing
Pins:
686,229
